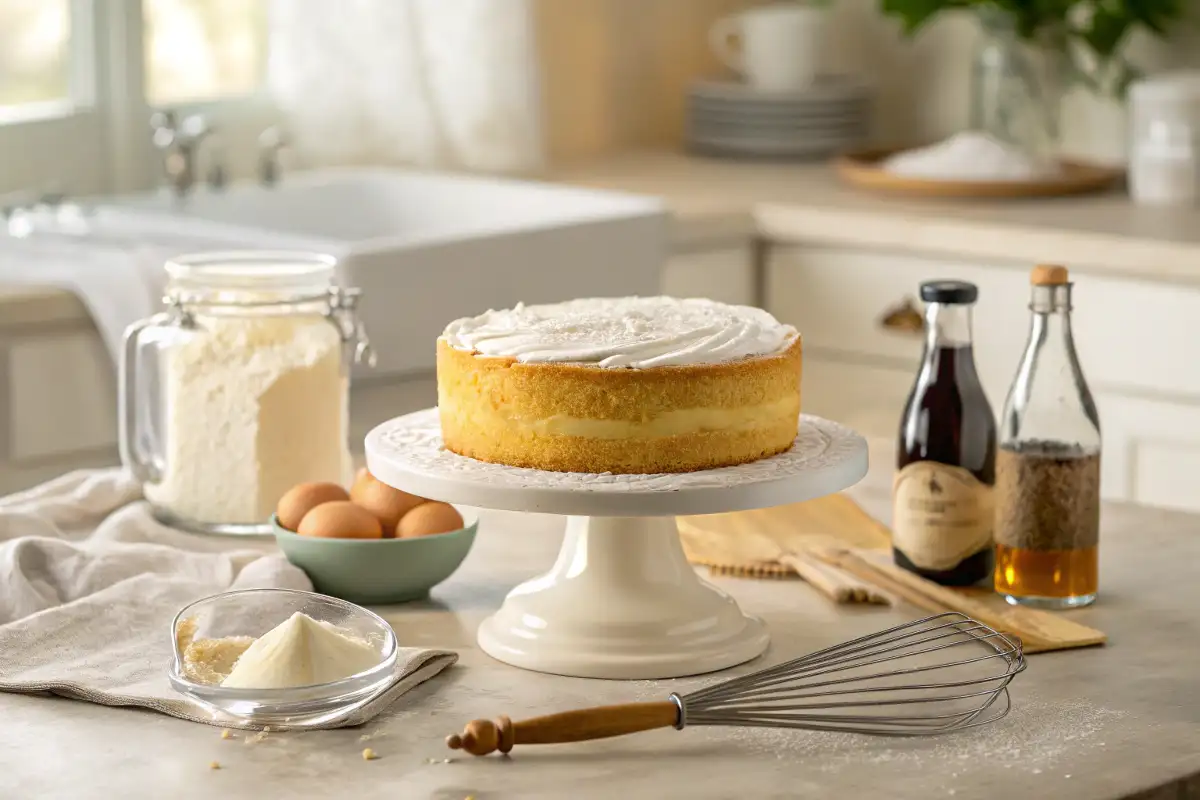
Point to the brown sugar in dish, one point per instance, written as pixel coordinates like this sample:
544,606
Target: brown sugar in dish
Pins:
207,661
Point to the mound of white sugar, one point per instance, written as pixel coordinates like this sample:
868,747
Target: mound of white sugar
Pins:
968,156
301,651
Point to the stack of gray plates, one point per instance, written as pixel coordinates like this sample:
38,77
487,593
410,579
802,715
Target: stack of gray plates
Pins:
734,119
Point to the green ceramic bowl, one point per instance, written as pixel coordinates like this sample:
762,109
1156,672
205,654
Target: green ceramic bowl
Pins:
378,571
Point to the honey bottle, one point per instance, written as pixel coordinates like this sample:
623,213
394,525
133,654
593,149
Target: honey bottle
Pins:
1048,464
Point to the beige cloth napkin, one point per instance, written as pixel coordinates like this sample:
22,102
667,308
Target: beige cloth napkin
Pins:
89,585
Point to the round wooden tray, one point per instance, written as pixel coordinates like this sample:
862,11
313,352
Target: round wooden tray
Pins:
862,169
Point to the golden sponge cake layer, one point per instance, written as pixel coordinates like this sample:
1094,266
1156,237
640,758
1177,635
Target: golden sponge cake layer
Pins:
582,418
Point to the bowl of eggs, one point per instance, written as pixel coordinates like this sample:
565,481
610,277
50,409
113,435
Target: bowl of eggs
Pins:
373,544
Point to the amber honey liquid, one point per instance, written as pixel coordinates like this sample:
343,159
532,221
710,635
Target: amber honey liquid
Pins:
1055,574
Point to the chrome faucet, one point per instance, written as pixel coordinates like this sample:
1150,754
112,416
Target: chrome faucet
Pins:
270,143
179,141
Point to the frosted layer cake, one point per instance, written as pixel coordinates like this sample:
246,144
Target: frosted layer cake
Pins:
625,385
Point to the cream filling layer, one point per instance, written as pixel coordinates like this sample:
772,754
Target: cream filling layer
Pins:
669,423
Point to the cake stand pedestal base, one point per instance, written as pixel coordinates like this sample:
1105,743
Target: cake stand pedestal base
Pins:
621,601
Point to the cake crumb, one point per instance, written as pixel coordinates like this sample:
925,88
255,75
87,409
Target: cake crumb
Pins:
369,755
213,765
256,738
227,734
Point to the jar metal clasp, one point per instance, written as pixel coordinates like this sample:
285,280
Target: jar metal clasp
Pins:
177,312
343,313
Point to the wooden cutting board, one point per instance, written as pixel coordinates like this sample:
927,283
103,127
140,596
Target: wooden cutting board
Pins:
712,540
856,542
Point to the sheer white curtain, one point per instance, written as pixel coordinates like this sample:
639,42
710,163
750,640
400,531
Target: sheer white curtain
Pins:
446,83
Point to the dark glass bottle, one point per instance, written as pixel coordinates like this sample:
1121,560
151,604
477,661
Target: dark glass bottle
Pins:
946,459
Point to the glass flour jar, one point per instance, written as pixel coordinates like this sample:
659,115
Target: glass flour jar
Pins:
240,389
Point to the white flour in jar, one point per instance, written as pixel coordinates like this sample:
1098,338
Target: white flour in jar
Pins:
253,406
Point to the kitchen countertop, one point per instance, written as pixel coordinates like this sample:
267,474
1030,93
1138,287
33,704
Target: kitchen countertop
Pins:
1121,721
807,203
715,200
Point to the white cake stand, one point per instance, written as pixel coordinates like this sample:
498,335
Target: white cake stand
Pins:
621,601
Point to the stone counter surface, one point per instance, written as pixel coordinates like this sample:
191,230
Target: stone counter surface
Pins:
1121,721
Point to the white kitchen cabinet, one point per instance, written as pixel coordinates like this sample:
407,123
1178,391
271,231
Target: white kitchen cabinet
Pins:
1134,340
837,297
1132,336
724,274
865,397
1151,451
868,398
61,396
374,402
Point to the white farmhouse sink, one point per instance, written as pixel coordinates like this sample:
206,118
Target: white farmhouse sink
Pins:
427,248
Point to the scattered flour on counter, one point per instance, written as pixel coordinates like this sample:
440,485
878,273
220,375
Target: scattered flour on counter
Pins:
1035,736
968,156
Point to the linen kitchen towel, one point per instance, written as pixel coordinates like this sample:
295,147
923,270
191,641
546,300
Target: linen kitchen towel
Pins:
89,585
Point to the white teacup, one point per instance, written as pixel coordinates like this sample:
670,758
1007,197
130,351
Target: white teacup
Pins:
776,48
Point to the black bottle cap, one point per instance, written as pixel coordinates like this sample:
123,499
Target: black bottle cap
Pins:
953,292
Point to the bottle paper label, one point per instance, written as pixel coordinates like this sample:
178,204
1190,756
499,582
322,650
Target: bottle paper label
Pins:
941,514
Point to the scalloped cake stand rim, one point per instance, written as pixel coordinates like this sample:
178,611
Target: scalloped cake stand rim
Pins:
406,452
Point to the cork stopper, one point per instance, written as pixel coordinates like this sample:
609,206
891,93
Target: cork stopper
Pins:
1049,275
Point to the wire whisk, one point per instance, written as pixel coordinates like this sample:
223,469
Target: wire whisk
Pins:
940,674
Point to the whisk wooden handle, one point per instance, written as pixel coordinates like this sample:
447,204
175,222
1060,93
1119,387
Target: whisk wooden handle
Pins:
483,736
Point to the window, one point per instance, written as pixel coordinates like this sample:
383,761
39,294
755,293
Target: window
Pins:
80,80
199,50
34,52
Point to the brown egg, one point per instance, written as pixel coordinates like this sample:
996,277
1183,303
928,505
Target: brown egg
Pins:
361,476
427,519
387,504
301,499
340,519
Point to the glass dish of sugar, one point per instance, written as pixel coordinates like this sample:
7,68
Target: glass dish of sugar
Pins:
276,656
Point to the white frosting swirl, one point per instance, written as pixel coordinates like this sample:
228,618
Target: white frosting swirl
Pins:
636,332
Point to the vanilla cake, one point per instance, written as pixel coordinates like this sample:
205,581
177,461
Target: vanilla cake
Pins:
625,385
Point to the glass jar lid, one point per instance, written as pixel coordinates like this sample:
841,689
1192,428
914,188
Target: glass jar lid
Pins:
267,282
249,277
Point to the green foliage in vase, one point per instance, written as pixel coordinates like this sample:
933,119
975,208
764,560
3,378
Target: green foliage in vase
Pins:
1092,33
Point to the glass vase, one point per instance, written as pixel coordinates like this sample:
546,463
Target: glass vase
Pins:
1017,85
